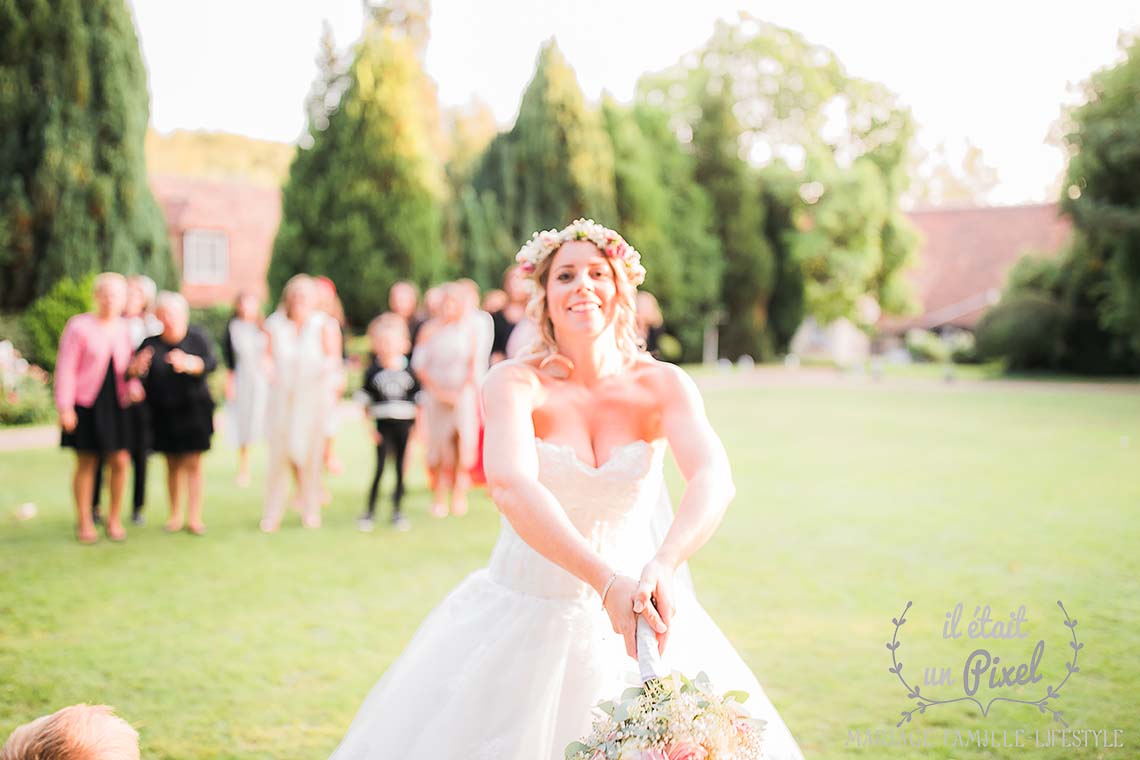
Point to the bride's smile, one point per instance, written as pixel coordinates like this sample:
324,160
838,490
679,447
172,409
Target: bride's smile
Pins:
581,290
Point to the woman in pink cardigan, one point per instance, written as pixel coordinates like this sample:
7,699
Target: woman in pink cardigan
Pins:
91,395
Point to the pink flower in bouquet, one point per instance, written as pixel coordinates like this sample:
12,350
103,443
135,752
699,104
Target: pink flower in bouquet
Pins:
654,754
685,750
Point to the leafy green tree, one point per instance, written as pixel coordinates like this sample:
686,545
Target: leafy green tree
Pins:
779,195
73,116
799,111
556,163
361,203
1102,194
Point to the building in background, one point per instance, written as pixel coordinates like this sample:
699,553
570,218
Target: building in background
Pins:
221,235
965,256
961,266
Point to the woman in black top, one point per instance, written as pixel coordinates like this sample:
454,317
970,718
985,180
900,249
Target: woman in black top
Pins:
505,319
174,366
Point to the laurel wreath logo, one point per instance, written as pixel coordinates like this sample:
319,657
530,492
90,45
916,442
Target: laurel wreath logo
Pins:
923,702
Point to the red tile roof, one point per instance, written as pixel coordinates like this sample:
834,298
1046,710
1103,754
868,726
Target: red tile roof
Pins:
247,214
966,254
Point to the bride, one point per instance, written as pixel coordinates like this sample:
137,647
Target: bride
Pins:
511,663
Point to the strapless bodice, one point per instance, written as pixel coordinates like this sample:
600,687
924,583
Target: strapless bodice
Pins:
611,506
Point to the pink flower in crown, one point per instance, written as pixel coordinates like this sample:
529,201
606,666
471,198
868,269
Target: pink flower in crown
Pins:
617,249
684,750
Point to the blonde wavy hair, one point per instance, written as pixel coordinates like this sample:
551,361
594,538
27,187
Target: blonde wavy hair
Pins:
626,334
79,732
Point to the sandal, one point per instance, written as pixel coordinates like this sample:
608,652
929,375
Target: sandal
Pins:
118,536
87,539
196,530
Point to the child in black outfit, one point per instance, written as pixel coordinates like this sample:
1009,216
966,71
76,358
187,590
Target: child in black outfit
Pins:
389,393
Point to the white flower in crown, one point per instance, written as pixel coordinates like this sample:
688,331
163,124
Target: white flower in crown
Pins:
610,243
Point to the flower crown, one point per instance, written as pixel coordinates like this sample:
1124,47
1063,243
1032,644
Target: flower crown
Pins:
609,243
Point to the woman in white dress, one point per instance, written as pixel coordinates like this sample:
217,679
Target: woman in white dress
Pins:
243,347
447,360
305,353
511,663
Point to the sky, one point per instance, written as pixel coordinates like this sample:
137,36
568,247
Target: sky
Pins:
995,73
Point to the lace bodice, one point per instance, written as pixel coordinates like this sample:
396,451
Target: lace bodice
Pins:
611,506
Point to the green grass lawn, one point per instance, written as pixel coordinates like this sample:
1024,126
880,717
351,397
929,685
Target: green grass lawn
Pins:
851,503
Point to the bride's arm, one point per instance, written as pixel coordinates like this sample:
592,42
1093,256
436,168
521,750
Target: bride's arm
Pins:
510,461
703,463
708,490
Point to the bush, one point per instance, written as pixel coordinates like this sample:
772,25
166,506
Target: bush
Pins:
12,329
213,319
1026,329
24,394
926,346
963,347
47,316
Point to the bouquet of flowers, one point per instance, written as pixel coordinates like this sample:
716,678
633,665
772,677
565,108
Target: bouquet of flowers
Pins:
670,717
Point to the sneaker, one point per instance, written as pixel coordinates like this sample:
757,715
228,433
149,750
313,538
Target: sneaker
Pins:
401,523
138,520
96,518
365,524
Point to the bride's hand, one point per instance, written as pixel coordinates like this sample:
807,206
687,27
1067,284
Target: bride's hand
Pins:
619,606
654,600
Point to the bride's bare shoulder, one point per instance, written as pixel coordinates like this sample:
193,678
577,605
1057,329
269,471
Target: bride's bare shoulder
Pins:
511,376
664,380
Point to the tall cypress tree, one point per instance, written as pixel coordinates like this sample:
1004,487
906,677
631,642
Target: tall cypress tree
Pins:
361,203
667,216
750,266
73,115
556,163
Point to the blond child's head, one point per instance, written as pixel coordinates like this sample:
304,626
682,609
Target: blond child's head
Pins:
388,337
79,732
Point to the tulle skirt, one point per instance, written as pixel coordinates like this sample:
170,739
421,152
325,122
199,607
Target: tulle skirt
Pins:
495,674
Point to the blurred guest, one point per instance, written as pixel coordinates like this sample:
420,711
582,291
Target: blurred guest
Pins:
433,298
483,324
650,322
511,313
389,394
494,300
174,366
141,294
329,302
524,338
403,301
91,396
243,348
79,732
446,362
141,324
305,352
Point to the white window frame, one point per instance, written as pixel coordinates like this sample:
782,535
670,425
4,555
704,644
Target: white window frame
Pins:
205,257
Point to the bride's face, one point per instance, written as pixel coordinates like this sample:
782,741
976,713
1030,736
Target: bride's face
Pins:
581,291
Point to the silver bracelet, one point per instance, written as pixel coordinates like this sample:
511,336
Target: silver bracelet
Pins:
606,588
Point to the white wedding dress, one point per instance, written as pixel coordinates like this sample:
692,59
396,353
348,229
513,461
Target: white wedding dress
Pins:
510,665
